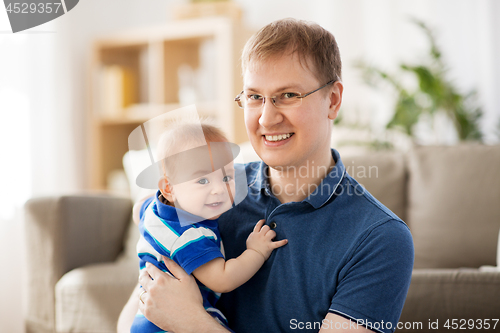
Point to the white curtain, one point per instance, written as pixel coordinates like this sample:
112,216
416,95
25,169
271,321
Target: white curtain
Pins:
44,120
29,131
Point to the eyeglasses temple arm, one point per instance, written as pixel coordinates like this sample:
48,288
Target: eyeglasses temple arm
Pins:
237,98
309,93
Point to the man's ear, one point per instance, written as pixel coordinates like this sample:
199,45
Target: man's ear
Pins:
335,99
166,189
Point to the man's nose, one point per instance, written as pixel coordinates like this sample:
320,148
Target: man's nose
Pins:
270,114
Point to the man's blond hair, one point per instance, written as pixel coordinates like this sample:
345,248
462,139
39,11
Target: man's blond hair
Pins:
311,42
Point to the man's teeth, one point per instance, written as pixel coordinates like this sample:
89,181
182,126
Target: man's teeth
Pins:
278,137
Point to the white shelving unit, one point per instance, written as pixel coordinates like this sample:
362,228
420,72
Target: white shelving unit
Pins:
135,77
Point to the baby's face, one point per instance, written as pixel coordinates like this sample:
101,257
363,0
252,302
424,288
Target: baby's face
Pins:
208,194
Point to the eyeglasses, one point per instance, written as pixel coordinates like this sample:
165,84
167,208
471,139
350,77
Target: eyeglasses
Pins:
285,100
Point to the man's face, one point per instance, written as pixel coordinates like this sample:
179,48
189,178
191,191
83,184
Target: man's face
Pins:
305,130
208,194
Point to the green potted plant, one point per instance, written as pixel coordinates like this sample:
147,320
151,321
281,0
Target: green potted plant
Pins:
435,93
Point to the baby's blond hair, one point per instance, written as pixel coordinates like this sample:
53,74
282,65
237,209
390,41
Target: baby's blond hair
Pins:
183,135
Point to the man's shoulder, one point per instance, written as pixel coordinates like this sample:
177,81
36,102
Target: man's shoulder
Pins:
361,213
365,202
369,223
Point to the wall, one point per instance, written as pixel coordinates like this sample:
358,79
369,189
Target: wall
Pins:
378,32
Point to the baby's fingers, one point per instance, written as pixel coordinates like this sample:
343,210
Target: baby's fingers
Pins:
279,243
259,225
269,234
266,230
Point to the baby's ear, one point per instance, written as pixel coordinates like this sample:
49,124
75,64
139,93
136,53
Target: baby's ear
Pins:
166,189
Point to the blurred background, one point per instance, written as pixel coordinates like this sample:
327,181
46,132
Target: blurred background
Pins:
71,90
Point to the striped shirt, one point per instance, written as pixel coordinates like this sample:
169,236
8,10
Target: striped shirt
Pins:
189,245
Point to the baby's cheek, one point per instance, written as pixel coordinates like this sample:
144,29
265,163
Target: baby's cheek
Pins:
232,188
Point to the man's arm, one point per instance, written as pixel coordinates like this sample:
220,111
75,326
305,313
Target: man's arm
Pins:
339,324
378,276
136,210
128,313
189,317
174,303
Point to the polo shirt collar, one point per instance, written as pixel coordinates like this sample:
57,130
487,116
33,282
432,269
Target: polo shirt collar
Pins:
165,211
320,196
326,190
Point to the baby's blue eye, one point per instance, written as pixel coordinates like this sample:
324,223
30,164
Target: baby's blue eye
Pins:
203,181
227,179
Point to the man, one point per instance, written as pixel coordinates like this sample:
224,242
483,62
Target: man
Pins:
348,262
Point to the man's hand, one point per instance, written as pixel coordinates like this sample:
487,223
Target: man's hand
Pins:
261,240
175,303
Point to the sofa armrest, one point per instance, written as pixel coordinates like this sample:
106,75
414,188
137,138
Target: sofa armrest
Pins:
90,299
62,233
442,294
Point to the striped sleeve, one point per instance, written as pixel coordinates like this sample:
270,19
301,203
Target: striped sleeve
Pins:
190,247
195,247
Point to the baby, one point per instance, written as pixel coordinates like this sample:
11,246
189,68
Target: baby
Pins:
180,222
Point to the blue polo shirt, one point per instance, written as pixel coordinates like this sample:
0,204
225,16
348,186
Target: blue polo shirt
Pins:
347,254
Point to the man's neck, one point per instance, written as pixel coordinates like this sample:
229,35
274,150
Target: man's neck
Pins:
296,183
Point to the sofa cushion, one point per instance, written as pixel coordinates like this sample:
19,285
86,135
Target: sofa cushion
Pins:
454,205
446,294
383,174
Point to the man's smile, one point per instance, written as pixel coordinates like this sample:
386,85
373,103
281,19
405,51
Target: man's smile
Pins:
278,137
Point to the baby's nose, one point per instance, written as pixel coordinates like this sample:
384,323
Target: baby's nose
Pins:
219,187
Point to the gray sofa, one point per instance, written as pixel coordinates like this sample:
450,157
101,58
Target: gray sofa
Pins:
81,249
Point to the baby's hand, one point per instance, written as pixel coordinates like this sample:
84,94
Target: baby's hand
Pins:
261,240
